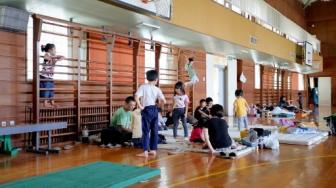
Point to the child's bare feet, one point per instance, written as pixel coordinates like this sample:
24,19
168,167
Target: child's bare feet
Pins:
46,104
144,154
152,152
52,102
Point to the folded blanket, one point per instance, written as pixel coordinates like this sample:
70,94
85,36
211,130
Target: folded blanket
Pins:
301,130
277,111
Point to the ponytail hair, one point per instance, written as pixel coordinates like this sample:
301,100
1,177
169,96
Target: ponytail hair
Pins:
179,85
47,47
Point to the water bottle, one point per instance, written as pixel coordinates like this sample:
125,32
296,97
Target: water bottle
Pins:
85,132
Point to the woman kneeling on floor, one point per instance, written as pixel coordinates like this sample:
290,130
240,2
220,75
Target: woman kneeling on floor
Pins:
216,132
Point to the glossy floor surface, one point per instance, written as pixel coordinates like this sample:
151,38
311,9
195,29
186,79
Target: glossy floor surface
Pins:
291,166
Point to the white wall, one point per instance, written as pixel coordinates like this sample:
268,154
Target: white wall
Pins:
230,80
212,64
231,83
324,91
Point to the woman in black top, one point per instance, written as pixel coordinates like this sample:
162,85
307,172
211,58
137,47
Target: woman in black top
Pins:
216,130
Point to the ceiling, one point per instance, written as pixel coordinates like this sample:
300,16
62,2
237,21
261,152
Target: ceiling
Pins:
97,13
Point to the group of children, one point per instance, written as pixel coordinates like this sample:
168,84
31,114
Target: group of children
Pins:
210,128
144,122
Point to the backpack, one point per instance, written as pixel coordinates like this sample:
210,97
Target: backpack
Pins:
262,132
162,139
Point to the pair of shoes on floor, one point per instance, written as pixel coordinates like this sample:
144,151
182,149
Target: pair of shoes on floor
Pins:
128,144
68,147
110,146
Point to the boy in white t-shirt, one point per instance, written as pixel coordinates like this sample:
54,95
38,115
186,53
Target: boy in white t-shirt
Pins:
148,94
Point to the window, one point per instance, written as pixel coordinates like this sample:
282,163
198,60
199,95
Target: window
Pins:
257,76
168,67
220,2
275,80
236,9
29,49
301,82
149,58
292,39
64,47
266,25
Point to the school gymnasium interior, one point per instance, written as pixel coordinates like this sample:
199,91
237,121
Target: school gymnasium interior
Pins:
70,68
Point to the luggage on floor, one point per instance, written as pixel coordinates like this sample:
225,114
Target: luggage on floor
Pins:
331,123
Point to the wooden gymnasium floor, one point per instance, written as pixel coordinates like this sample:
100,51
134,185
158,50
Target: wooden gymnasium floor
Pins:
292,166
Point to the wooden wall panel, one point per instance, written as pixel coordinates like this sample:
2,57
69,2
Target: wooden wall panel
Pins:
12,78
247,67
12,57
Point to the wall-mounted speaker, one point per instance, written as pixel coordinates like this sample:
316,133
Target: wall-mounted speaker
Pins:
13,19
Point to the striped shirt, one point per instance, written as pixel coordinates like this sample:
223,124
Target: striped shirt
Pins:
48,66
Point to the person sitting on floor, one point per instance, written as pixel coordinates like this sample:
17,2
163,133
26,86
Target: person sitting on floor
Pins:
162,123
120,130
209,102
202,115
283,102
216,132
169,116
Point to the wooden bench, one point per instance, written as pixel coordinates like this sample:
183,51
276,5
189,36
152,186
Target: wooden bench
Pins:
5,133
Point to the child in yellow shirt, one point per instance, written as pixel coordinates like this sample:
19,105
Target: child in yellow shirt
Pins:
241,109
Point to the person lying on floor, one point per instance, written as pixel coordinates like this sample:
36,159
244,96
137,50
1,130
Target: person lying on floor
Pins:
120,130
216,132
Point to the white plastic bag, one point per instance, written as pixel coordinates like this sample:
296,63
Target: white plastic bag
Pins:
242,78
271,141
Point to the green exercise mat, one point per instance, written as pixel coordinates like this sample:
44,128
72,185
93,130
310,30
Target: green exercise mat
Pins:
98,174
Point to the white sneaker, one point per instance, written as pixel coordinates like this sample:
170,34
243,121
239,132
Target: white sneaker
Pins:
109,145
102,146
117,146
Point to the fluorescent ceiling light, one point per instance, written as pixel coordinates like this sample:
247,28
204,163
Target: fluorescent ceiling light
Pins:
148,25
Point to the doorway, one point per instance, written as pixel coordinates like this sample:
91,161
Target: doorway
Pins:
215,78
